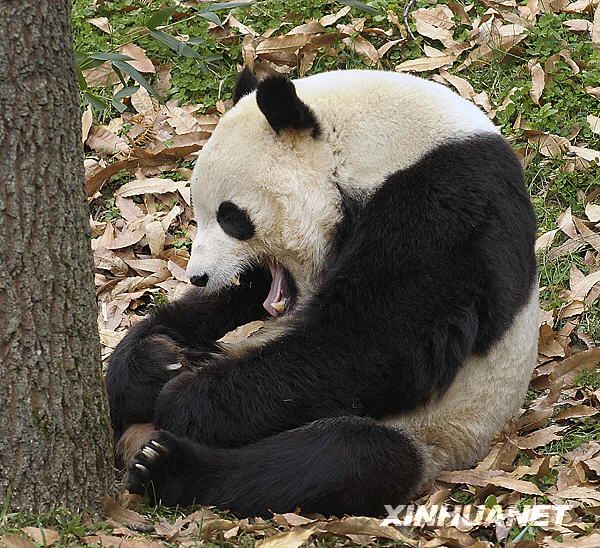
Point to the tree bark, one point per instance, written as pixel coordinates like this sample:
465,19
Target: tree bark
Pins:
55,443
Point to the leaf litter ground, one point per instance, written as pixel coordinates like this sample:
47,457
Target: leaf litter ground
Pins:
533,67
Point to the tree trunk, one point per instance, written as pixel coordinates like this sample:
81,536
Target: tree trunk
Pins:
55,444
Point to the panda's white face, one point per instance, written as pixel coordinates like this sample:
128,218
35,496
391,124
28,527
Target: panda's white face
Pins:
267,192
262,197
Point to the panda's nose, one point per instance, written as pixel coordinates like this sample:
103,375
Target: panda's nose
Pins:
200,281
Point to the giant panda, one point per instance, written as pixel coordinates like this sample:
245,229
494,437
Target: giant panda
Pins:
382,225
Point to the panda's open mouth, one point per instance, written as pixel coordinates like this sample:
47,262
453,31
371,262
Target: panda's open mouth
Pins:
282,294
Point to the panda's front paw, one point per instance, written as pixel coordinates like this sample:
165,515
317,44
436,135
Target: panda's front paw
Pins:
165,470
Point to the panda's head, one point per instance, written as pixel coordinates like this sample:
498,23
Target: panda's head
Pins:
264,192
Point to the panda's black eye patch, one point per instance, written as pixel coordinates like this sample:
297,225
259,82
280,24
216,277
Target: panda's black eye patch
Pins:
234,221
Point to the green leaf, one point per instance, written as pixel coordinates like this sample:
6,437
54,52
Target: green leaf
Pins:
195,41
111,57
128,69
491,501
213,17
97,102
358,5
159,17
80,58
217,6
82,83
120,75
213,57
86,62
176,45
126,92
119,106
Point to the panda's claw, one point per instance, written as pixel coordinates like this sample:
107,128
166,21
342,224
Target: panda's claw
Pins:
151,465
150,453
141,468
159,446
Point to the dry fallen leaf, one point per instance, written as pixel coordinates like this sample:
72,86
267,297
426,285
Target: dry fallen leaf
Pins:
592,212
591,541
155,234
118,542
177,264
553,146
289,539
141,61
125,516
290,520
545,240
540,438
594,122
596,30
585,153
581,6
583,287
471,477
537,81
464,88
45,537
520,486
142,103
16,541
102,139
242,333
103,76
426,63
500,42
435,23
575,412
328,20
152,185
102,23
287,43
387,46
363,47
578,25
87,121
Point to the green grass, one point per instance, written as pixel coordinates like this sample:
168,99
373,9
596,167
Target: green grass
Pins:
583,431
71,526
588,379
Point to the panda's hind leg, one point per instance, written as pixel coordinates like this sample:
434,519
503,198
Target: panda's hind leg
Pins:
333,466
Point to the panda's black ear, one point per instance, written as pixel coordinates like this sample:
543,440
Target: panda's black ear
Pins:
245,83
277,100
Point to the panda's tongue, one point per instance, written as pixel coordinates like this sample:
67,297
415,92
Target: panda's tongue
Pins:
275,295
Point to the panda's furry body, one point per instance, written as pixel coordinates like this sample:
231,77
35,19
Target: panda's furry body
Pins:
390,219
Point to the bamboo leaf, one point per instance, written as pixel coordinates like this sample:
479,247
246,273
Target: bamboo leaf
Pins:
213,17
126,92
97,102
217,6
176,45
159,17
137,76
358,5
121,108
111,57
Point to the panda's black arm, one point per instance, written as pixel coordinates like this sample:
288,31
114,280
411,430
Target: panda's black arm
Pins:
180,332
438,265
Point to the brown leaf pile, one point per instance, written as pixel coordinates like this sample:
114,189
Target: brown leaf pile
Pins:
142,248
